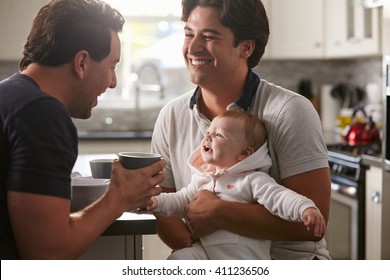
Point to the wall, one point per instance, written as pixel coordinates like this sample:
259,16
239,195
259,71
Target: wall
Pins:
287,73
7,68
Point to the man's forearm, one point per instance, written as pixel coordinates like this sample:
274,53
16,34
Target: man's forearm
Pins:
173,232
255,221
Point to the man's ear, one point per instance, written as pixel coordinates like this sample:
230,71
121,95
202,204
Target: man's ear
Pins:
246,153
247,47
80,63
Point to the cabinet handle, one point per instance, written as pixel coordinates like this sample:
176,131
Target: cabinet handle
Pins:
376,197
317,45
354,40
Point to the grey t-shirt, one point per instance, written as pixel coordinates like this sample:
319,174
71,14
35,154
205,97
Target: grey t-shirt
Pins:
295,139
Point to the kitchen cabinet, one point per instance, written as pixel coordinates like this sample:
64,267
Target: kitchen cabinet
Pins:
351,29
385,226
110,248
373,212
296,29
318,29
16,17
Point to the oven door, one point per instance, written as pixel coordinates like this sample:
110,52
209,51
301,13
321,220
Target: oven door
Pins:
342,233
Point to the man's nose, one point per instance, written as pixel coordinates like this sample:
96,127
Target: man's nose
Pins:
195,45
114,82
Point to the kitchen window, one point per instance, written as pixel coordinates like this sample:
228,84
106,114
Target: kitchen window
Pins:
151,72
152,68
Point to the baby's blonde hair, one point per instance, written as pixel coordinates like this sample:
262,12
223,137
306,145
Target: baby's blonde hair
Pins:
255,132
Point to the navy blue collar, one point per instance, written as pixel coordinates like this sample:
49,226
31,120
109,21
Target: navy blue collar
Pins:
250,88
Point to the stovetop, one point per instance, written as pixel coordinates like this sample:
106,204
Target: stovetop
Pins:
345,162
354,151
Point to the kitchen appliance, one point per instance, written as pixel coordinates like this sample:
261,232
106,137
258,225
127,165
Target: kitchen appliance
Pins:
361,132
385,191
346,232
387,112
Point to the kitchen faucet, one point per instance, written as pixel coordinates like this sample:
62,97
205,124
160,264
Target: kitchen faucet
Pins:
147,72
152,71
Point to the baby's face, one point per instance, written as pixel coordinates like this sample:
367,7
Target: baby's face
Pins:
224,142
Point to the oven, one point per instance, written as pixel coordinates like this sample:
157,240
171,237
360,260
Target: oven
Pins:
345,236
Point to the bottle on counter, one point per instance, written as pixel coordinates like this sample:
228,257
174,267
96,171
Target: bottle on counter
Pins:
305,88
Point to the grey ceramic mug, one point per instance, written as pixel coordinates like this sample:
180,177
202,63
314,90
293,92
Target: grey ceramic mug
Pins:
134,160
101,168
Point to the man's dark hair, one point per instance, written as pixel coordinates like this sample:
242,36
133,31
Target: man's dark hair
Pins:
246,18
64,27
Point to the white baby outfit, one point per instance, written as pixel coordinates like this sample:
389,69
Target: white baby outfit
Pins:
245,182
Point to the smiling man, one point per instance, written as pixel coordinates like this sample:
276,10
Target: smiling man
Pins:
224,40
68,61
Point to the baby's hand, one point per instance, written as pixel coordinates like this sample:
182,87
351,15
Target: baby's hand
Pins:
313,218
153,204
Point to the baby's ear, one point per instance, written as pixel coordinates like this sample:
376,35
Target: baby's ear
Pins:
246,153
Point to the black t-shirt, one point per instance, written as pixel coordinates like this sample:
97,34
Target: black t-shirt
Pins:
38,148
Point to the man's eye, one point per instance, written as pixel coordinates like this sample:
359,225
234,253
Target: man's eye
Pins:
207,38
189,35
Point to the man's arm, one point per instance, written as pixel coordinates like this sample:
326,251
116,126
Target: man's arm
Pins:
44,228
208,213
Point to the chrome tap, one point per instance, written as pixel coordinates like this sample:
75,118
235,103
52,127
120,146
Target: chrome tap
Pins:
148,71
148,81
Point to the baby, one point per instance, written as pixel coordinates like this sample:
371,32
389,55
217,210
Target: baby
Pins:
232,162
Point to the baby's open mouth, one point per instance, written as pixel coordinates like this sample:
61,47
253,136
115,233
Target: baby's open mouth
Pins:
207,149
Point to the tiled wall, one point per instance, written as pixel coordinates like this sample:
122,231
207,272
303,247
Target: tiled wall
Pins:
287,73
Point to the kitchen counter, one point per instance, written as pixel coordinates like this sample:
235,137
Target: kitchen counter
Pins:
372,160
132,223
123,238
111,135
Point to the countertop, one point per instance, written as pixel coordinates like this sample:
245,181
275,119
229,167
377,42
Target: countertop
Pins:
133,223
372,160
332,138
111,135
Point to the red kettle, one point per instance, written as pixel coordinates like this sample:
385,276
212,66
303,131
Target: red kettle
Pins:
360,132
